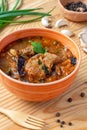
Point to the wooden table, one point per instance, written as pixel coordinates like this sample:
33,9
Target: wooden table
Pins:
76,111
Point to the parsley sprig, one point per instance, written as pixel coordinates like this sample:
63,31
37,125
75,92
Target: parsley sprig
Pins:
38,48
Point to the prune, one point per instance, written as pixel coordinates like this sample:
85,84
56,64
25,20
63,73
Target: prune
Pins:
20,65
73,60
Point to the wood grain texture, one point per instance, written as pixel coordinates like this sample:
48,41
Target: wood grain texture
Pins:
76,111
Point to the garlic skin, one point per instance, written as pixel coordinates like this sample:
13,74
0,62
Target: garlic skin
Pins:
61,22
85,50
46,21
83,31
83,38
67,33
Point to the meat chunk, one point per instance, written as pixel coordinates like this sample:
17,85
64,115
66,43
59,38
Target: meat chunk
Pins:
34,69
13,68
49,59
39,66
12,56
28,51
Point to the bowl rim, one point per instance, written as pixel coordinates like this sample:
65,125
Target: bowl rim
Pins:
48,83
70,11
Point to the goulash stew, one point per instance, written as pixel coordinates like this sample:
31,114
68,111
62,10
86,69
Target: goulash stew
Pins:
37,59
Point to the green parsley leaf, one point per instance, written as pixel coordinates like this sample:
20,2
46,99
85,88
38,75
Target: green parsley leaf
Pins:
38,48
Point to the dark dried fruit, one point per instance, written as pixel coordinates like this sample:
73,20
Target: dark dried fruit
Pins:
20,65
73,60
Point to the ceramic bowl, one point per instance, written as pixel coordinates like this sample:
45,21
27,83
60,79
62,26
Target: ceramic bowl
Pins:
41,91
72,15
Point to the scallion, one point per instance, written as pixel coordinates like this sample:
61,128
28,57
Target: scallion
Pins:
22,13
7,16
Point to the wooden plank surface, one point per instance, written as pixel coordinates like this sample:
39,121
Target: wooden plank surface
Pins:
76,111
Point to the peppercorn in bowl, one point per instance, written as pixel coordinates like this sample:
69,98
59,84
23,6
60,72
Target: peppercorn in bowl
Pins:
74,10
38,64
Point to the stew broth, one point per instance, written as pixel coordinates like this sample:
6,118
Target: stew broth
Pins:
37,59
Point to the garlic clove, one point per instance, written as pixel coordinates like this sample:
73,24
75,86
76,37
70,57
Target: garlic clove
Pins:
46,21
83,39
60,23
67,33
82,43
83,31
85,50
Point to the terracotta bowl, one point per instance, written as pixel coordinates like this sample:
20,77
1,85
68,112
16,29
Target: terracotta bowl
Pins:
41,91
72,15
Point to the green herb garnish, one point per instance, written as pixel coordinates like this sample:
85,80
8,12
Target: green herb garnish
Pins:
45,68
39,62
38,48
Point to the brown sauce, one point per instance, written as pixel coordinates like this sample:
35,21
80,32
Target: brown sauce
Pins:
37,59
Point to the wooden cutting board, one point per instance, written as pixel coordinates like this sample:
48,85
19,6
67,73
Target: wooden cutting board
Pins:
76,111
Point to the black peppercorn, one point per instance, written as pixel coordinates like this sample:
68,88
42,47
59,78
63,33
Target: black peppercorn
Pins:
57,114
82,94
69,99
62,122
61,126
58,121
70,123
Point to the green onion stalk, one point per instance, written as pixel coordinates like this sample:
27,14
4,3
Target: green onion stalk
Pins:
7,16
